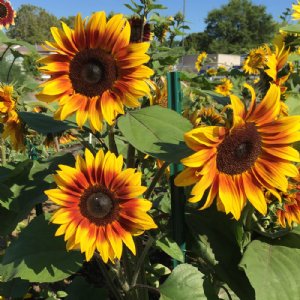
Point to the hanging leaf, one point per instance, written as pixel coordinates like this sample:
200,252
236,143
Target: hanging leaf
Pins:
291,29
185,282
44,124
272,268
24,187
170,247
213,240
38,256
156,131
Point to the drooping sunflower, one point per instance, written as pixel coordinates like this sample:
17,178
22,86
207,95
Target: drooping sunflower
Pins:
204,116
140,30
7,102
290,211
95,70
14,130
234,164
7,14
211,72
99,205
200,59
296,11
224,88
256,59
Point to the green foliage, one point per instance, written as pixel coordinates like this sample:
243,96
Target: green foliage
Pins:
213,242
15,288
32,24
170,247
234,28
156,131
79,289
38,256
45,124
185,282
271,267
23,187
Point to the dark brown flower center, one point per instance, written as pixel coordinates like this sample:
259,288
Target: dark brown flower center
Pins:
92,71
3,11
98,205
239,150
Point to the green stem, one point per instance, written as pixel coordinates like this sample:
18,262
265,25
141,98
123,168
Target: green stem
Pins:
227,292
111,285
3,151
10,68
111,141
141,260
155,179
4,52
130,162
257,223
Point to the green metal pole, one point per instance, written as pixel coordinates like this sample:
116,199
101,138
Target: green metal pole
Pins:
178,198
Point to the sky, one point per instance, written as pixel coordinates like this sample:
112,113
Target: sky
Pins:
195,10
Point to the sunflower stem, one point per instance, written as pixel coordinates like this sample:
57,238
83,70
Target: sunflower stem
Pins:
141,260
144,286
111,141
10,68
155,179
111,285
257,223
3,151
130,162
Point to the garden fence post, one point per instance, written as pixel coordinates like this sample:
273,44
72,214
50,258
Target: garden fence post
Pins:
177,193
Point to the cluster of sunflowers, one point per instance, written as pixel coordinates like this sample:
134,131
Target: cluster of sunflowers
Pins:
243,151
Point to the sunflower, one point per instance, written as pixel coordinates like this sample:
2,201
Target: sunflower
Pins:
235,164
211,72
137,25
290,211
15,131
100,208
256,59
95,71
296,11
224,88
7,14
200,59
203,116
7,102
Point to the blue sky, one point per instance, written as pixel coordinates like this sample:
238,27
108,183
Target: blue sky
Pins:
196,10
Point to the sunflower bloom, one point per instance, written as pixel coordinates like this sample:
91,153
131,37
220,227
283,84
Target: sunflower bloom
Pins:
7,102
296,11
99,205
291,210
224,88
7,14
256,60
211,72
200,59
204,116
238,163
95,70
14,130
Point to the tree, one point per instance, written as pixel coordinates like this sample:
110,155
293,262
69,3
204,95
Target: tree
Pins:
32,24
238,27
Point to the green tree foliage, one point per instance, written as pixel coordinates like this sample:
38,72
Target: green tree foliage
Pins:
234,28
70,21
32,24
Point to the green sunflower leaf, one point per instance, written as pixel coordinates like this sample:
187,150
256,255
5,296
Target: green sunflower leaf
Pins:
272,267
156,131
170,247
292,29
45,124
38,256
16,288
185,282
